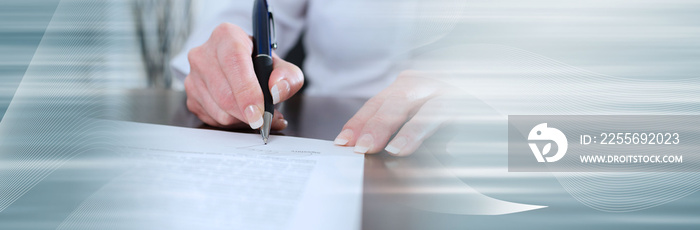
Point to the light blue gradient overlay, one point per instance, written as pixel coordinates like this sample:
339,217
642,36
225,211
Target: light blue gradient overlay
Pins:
513,57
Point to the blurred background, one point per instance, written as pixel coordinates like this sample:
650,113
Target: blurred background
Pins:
138,38
635,40
519,57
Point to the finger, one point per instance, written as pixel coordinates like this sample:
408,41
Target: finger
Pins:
279,124
278,121
385,122
207,78
408,84
424,124
233,54
286,79
192,103
197,109
210,106
351,129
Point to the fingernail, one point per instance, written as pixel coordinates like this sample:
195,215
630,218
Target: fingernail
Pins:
275,91
254,116
343,137
396,145
364,143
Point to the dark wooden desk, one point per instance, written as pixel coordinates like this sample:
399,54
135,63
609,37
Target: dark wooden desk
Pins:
384,203
450,178
423,191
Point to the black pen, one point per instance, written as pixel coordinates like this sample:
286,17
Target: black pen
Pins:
263,44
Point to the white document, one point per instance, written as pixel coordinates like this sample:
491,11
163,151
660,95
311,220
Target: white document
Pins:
202,179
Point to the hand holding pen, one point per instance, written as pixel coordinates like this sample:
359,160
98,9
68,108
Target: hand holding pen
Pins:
223,90
222,87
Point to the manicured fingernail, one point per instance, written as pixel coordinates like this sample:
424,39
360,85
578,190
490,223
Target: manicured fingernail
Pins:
275,91
364,143
396,145
254,117
343,137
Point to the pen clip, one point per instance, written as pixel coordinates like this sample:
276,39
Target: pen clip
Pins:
273,34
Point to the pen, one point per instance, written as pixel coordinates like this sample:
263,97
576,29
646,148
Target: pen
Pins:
263,44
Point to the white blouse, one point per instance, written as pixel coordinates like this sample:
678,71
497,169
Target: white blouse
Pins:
353,48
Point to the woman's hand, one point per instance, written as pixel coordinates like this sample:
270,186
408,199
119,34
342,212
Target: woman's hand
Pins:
222,89
412,108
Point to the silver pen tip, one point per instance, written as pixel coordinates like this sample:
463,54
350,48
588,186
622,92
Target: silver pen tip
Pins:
265,129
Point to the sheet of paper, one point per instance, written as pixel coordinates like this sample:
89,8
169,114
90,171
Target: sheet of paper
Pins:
202,179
